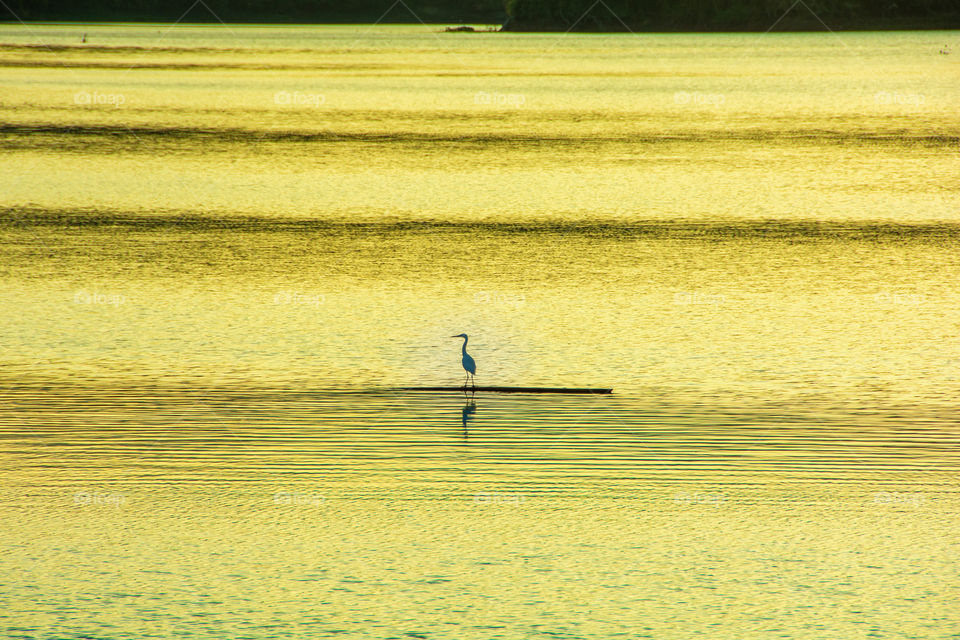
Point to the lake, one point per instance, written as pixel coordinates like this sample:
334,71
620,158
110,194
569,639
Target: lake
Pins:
226,248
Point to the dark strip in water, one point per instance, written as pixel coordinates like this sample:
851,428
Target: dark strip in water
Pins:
896,138
183,66
510,389
15,218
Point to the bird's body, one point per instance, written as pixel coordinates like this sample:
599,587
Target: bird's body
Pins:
469,364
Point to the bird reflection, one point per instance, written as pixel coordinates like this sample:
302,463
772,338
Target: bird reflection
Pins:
467,414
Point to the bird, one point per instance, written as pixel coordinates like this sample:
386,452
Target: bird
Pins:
469,365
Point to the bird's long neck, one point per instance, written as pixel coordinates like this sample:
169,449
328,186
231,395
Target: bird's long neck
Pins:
464,348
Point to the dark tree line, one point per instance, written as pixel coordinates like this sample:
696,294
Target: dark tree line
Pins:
267,11
586,15
709,15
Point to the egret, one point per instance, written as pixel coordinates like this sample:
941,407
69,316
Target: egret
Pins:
469,365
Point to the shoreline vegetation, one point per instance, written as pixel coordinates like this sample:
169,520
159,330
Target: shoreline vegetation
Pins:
522,15
730,15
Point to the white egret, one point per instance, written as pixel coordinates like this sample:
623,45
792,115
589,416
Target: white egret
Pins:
469,365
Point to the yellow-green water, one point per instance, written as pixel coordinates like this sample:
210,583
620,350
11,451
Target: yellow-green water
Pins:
224,249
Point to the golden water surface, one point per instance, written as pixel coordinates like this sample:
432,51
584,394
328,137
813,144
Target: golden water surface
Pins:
224,249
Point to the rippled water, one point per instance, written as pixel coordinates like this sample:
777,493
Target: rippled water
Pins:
225,249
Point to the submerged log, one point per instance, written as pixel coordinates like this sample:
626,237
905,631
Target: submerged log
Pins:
511,389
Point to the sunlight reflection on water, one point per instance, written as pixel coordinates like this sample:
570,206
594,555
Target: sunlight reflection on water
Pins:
223,257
